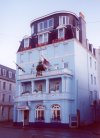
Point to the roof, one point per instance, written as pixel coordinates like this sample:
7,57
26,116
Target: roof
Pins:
57,12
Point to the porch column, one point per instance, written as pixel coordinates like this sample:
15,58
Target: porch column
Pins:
63,84
32,85
68,83
47,85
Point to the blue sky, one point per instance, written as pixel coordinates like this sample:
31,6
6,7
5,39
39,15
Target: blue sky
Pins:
16,15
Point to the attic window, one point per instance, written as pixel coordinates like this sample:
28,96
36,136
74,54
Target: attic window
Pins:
61,33
63,20
26,42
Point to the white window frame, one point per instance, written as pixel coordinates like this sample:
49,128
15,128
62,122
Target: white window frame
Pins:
38,112
48,25
91,79
26,42
54,110
32,29
63,29
61,20
95,80
43,38
10,74
4,72
90,61
95,65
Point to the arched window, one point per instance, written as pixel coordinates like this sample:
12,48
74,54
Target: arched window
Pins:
40,113
56,112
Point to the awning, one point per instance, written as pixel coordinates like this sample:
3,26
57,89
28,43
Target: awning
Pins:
23,108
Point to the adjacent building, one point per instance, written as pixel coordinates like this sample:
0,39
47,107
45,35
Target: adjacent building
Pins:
56,75
7,90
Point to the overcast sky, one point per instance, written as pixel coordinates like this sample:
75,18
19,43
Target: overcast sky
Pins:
16,15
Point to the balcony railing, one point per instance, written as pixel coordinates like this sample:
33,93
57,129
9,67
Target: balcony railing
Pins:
45,74
44,96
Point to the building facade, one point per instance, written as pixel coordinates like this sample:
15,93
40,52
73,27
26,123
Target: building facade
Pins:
56,75
7,90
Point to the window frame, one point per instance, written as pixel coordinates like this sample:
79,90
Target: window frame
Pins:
42,38
61,20
26,44
63,31
4,72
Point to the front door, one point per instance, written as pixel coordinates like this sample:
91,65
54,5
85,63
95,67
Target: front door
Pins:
26,117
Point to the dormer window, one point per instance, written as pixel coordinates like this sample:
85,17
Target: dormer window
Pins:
61,33
63,20
43,38
32,29
45,25
26,42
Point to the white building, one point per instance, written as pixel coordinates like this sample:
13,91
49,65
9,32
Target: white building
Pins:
57,73
7,90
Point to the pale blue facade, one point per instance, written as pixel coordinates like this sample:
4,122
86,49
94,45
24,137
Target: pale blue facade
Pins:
65,88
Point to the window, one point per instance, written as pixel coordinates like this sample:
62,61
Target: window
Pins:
39,87
56,86
95,80
91,97
40,113
26,42
4,85
10,87
55,112
4,72
0,71
90,62
10,74
9,98
32,29
95,95
2,110
45,25
3,97
95,65
43,38
61,33
65,65
63,20
50,23
91,79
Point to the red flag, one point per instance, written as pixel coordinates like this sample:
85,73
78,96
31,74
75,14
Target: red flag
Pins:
46,62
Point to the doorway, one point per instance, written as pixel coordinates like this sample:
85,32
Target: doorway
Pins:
26,117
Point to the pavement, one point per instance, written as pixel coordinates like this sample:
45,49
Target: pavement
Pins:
94,128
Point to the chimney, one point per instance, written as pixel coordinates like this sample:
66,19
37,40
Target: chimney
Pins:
82,26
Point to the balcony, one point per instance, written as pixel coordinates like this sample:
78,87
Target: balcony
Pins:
46,74
44,96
